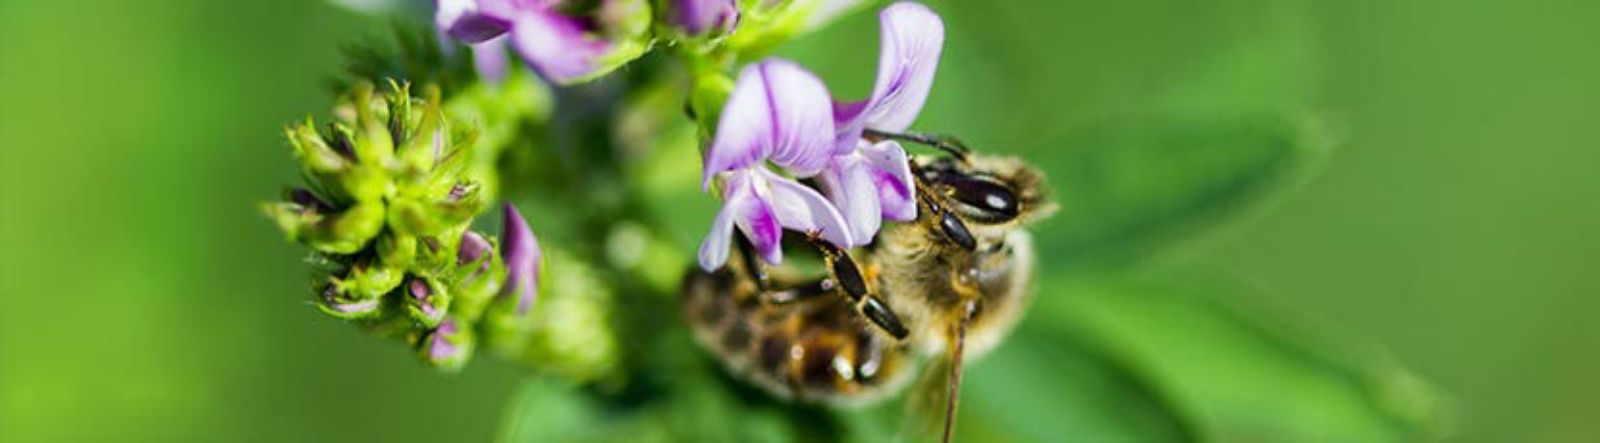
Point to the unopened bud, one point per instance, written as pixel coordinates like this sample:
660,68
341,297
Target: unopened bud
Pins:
426,301
448,346
372,280
334,301
697,18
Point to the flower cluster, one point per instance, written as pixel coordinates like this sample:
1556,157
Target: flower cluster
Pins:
388,210
778,114
570,41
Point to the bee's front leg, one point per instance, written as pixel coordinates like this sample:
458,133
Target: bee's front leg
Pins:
847,276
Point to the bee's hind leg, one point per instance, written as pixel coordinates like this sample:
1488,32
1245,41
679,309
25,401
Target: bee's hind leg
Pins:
847,277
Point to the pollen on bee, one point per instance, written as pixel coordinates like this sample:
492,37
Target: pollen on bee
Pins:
797,352
842,366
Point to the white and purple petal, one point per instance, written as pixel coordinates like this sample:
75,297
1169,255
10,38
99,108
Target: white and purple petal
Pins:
490,59
743,206
802,209
849,185
555,45
777,111
743,133
467,21
890,169
912,37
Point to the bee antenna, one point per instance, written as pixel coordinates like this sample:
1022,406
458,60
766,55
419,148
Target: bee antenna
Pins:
950,145
960,345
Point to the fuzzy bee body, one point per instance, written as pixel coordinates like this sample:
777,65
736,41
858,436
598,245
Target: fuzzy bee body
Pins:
961,270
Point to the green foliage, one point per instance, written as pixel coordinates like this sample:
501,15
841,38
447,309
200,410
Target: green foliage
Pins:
1129,187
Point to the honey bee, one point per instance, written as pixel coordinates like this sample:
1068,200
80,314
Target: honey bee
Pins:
948,285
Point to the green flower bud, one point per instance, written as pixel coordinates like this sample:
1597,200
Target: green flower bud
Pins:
397,250
314,152
334,300
337,233
478,276
371,280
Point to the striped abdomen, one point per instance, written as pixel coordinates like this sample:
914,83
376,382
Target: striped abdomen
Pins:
810,349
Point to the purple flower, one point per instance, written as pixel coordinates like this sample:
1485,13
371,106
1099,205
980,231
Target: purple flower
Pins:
700,17
560,47
521,255
871,181
778,113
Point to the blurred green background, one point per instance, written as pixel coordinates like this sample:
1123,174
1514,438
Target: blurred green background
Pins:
144,298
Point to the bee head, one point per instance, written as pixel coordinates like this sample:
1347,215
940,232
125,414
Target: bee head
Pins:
988,190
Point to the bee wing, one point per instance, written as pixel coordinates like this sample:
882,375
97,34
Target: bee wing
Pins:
925,403
932,405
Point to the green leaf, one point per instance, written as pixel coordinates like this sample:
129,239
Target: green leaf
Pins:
1129,187
544,410
1244,373
1044,385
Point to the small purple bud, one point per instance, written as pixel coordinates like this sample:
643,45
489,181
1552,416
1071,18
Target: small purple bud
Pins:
424,303
447,346
700,17
521,254
473,246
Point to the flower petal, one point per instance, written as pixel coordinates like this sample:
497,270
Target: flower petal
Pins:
490,59
802,117
521,255
912,37
556,45
714,249
890,169
744,130
849,184
464,20
803,209
777,111
742,206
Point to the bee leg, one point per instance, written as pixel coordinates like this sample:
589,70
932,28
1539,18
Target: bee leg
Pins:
948,144
949,224
848,277
752,266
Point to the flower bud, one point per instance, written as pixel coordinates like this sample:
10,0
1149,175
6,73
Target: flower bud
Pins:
699,18
521,255
314,152
335,301
372,280
477,277
624,18
398,251
336,233
448,346
426,301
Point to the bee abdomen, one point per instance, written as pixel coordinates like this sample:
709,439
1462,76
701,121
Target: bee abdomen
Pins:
808,350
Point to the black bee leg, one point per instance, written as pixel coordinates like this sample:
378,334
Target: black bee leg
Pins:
752,265
948,144
951,225
854,285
